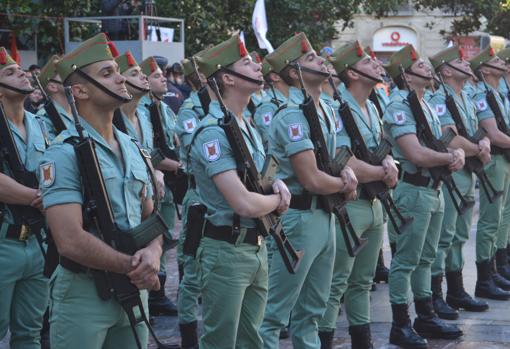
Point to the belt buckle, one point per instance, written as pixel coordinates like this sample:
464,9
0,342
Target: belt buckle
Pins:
23,234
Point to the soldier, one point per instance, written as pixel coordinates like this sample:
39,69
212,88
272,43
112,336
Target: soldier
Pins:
189,116
416,196
233,261
309,227
159,303
352,276
451,66
493,222
80,318
52,85
23,287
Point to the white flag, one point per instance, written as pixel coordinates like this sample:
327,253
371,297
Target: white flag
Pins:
259,23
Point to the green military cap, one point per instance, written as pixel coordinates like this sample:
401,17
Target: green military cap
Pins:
266,67
49,71
447,55
5,58
222,55
126,61
405,58
187,67
483,57
289,51
347,56
149,65
96,49
504,54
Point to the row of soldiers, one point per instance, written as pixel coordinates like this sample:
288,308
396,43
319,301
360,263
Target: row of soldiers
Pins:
115,161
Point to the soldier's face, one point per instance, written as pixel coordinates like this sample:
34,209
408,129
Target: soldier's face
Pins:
310,60
499,64
251,69
423,69
14,76
462,65
136,77
370,67
157,82
107,74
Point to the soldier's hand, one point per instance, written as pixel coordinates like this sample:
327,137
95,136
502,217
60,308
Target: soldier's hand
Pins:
160,183
37,201
279,187
349,179
458,160
485,151
145,264
390,171
353,195
151,283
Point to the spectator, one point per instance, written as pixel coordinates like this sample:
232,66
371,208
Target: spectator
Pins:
34,68
34,101
119,29
177,90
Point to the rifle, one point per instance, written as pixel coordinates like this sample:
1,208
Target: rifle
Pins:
203,94
377,189
177,181
332,203
498,115
254,181
373,97
424,132
50,109
31,219
473,163
99,213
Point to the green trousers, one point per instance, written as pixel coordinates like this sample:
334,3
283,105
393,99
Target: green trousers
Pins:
23,292
189,288
306,292
502,235
234,293
352,276
491,215
416,247
79,319
168,212
455,228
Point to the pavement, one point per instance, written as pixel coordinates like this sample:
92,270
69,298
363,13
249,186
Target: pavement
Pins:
487,330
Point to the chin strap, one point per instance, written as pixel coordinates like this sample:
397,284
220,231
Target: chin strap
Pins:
101,87
373,78
419,75
242,76
460,70
17,90
137,87
313,71
494,67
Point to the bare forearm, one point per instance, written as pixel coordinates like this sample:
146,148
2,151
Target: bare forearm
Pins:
426,157
499,139
366,173
258,205
12,192
168,165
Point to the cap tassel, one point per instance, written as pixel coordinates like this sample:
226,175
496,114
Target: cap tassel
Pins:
242,49
359,50
414,56
130,59
304,46
3,57
258,59
154,65
461,53
113,49
491,52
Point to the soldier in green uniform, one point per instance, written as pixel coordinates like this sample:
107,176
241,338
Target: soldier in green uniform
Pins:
79,318
275,98
52,84
492,222
23,287
307,225
416,196
455,70
352,276
233,264
159,303
189,116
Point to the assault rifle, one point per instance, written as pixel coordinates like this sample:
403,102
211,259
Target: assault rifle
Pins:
203,93
99,213
50,109
332,203
378,189
424,132
254,181
473,163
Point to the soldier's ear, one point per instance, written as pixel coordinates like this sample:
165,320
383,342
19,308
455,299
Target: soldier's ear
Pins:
80,91
293,74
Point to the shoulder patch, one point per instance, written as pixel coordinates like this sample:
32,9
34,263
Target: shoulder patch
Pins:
440,109
212,150
481,104
295,131
399,117
47,174
267,117
190,125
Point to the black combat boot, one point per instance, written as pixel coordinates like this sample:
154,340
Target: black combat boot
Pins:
189,337
458,298
485,285
381,272
429,325
361,337
402,334
326,338
393,248
502,263
443,310
159,303
499,280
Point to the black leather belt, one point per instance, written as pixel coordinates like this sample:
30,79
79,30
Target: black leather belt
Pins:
192,182
301,202
19,232
224,233
418,180
72,265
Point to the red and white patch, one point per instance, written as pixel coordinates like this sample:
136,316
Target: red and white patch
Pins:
481,104
399,117
47,174
212,150
296,132
190,125
440,109
267,117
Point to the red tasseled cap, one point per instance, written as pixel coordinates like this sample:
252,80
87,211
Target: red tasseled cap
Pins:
113,49
154,65
243,52
414,56
304,46
462,55
130,60
491,52
359,50
3,57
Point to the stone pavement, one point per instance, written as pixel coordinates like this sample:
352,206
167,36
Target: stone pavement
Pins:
488,330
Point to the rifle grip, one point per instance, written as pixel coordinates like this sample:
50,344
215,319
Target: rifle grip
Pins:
340,161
